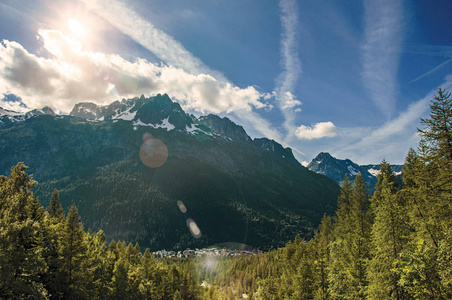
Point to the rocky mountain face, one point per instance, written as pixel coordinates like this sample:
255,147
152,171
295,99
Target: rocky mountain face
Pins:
336,169
235,188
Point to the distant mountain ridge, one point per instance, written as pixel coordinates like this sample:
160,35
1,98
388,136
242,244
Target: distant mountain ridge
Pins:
157,112
13,116
337,169
236,188
152,113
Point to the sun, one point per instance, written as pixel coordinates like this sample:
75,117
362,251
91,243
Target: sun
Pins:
76,27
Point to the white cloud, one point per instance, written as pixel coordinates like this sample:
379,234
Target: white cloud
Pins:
319,130
72,75
289,101
381,49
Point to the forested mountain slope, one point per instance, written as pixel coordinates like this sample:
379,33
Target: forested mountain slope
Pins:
234,188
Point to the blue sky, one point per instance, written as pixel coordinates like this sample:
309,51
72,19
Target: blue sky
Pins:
347,77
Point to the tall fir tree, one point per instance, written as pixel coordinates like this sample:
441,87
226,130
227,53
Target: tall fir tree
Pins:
21,237
437,131
429,194
322,239
55,209
73,252
55,222
390,234
350,250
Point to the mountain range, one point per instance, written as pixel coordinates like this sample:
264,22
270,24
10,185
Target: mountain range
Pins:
337,169
213,183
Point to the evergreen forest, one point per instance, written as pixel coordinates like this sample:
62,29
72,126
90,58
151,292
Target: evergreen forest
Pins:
393,244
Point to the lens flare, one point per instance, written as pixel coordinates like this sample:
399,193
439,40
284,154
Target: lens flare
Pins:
182,207
153,153
194,229
209,262
112,89
146,136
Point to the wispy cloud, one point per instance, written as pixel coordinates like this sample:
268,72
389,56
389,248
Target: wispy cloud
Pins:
146,34
290,63
430,50
398,134
319,130
381,48
431,71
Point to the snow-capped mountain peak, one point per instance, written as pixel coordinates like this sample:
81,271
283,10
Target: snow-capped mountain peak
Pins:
337,169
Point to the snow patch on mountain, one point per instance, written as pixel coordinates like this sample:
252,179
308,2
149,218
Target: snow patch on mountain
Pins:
125,115
195,129
352,170
374,172
165,124
7,112
191,129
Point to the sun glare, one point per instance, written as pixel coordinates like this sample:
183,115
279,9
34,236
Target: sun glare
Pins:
76,27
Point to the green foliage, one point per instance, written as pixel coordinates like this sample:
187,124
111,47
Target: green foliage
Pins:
55,209
44,255
437,132
21,233
350,249
418,272
390,234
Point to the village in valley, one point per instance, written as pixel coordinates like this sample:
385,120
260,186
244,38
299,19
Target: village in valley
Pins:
212,251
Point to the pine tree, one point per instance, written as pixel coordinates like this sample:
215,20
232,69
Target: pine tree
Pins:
429,195
435,174
390,234
409,169
344,207
21,235
55,209
350,249
445,264
95,270
362,220
120,280
146,271
437,130
322,239
339,253
73,251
